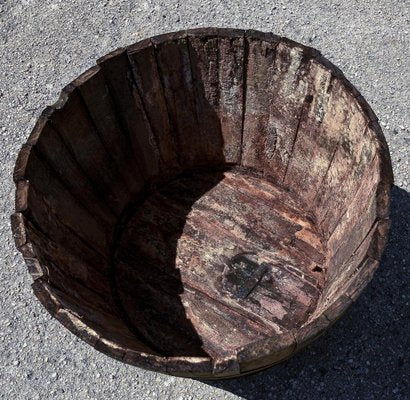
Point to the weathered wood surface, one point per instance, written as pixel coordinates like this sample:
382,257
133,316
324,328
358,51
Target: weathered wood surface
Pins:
203,203
102,111
128,104
276,90
185,241
148,80
80,136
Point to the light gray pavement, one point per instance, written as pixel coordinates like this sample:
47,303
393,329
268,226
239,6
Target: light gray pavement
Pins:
44,44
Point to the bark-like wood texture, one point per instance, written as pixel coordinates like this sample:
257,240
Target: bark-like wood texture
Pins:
203,203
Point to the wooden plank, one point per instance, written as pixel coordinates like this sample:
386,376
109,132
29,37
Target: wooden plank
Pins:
148,360
53,151
54,209
76,326
337,308
18,228
363,277
276,92
177,81
310,331
130,110
220,329
101,109
204,59
35,269
263,353
147,78
259,139
379,239
217,60
231,87
189,366
101,324
317,136
351,229
69,268
350,161
354,237
21,195
81,138
344,273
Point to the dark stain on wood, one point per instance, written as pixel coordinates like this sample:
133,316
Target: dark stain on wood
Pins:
241,275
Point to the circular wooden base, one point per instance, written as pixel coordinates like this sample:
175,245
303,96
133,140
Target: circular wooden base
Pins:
215,260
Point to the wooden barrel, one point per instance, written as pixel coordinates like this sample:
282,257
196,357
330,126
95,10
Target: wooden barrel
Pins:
203,203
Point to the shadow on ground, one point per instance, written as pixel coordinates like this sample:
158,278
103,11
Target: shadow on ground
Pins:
366,353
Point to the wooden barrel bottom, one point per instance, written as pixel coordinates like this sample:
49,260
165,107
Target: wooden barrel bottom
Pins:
213,261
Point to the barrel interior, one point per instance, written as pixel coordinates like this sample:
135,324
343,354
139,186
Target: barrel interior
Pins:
203,203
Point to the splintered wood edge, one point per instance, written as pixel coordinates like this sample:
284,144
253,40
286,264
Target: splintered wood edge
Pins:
258,355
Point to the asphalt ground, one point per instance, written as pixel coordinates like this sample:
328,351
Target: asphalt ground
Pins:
45,44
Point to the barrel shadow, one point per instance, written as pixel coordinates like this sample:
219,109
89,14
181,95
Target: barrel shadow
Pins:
146,284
